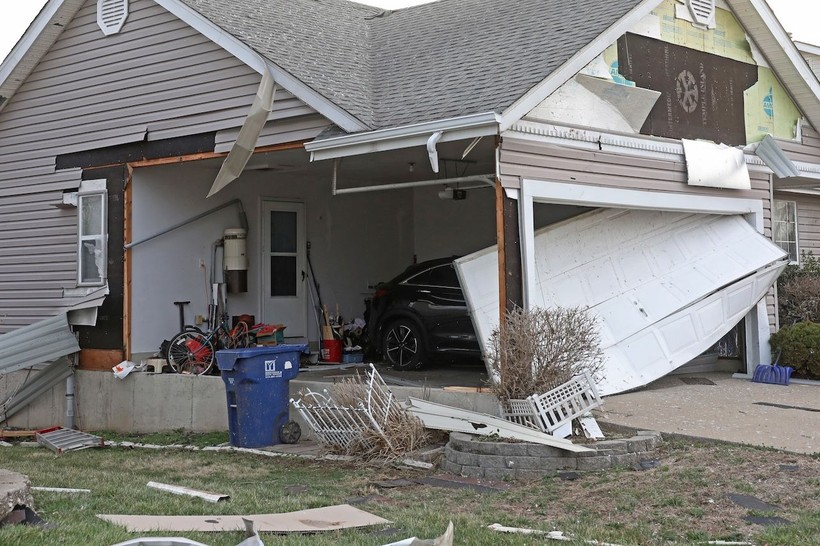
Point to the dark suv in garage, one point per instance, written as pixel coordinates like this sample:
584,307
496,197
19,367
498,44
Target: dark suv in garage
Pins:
421,314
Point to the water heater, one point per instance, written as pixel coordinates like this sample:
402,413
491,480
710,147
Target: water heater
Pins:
235,260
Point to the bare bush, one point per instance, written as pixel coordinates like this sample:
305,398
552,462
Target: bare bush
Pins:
799,299
537,350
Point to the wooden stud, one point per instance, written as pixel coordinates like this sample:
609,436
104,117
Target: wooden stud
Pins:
127,272
99,360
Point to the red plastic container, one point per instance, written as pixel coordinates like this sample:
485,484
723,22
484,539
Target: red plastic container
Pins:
331,350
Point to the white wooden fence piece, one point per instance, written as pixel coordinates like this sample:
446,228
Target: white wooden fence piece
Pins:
448,418
550,411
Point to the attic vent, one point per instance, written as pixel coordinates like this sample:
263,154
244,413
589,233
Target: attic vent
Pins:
702,11
111,15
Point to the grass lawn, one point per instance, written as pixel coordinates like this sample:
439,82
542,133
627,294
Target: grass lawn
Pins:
682,501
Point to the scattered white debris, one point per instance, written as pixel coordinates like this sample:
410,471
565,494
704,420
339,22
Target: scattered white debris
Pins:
552,535
444,540
180,490
61,489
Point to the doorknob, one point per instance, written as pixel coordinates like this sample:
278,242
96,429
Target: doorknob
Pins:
303,276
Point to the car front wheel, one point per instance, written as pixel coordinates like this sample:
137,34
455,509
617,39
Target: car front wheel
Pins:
403,345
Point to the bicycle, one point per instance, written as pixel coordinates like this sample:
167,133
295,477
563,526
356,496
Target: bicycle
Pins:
192,351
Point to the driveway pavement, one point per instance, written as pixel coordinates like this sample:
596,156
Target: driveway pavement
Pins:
717,406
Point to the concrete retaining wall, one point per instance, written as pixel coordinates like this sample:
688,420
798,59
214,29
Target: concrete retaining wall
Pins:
474,457
144,402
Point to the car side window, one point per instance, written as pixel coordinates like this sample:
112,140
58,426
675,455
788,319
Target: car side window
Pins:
441,275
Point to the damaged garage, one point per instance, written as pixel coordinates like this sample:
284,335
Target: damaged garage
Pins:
624,158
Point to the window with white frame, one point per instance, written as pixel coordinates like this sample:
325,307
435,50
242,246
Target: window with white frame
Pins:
93,236
784,227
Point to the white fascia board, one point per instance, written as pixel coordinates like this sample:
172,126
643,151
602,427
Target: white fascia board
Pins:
762,27
811,49
247,55
575,64
592,139
394,138
636,146
41,23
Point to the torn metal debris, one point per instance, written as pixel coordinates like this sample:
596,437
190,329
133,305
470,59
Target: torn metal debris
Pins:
441,417
60,440
180,490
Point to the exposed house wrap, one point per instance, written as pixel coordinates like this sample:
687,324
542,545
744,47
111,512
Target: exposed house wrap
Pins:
664,286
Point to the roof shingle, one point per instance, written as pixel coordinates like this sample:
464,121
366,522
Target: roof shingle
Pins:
433,61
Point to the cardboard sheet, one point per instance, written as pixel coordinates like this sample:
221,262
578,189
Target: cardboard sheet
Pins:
328,518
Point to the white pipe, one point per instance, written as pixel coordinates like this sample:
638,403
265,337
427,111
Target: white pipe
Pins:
69,401
435,182
431,149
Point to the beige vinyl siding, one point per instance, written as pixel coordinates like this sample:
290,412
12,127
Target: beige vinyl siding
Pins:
157,79
808,150
542,161
808,220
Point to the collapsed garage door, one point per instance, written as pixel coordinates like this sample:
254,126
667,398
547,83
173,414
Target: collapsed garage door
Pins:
665,286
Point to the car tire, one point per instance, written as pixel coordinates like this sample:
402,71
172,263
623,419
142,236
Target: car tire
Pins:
403,345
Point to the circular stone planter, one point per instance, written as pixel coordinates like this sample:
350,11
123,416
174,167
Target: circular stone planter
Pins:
476,457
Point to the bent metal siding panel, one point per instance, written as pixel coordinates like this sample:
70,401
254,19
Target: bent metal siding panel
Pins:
158,78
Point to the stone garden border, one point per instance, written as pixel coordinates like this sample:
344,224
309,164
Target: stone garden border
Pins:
476,457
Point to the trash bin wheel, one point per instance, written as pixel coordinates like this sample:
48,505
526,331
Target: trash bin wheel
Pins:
290,432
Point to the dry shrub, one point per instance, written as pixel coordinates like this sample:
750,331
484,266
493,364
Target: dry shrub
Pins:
799,299
401,432
536,350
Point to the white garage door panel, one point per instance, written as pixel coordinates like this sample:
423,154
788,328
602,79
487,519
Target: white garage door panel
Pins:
662,348
649,277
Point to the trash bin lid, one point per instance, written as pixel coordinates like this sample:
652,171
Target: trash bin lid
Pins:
226,358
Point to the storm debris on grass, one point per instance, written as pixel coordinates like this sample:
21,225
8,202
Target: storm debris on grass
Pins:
362,417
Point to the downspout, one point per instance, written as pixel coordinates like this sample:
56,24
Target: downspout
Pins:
431,149
69,398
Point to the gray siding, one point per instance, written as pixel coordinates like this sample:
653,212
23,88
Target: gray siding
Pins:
808,220
527,159
157,79
808,150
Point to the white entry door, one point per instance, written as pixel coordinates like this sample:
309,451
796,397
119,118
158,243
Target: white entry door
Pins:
284,273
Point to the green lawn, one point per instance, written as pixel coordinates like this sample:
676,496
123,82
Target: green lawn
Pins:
683,501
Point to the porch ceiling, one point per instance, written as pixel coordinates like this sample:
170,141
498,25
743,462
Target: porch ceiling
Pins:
391,167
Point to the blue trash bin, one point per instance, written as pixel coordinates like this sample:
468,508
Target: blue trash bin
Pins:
256,384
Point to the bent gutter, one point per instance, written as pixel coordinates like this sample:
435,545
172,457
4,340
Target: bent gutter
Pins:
407,136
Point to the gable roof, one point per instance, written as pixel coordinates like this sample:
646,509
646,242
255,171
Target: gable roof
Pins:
372,70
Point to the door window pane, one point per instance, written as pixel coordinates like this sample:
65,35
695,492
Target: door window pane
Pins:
282,231
283,276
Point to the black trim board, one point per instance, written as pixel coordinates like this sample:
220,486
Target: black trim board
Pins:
138,151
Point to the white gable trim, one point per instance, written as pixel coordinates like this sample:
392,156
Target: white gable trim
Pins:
782,54
247,55
42,33
559,77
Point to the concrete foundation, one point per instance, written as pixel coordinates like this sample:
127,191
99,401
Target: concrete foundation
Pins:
146,402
